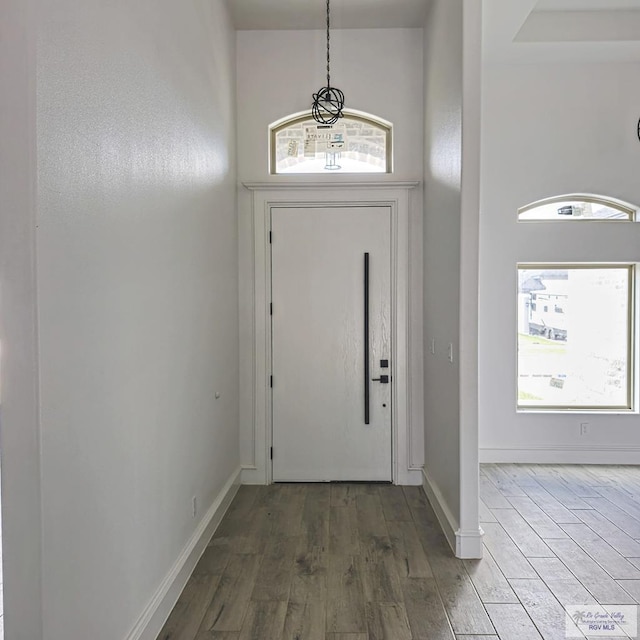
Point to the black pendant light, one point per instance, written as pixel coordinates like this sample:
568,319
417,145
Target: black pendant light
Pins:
329,101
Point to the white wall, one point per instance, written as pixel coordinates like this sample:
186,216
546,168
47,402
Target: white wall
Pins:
442,205
380,71
550,129
452,41
137,298
20,433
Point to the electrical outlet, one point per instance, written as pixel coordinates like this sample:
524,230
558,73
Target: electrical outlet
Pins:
584,428
194,507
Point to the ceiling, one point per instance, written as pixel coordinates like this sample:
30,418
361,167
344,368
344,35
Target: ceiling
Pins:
311,14
513,30
561,30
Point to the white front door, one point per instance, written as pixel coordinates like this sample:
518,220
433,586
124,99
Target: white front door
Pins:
331,411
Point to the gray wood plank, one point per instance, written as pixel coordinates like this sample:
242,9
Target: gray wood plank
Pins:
185,620
244,501
489,581
371,520
314,528
394,505
632,587
619,517
380,580
309,577
244,535
537,519
411,560
486,515
425,611
264,619
273,581
618,539
556,511
543,608
230,602
343,494
466,637
305,620
286,518
622,500
491,496
562,492
579,482
218,635
415,497
603,553
570,592
590,574
347,636
268,497
345,598
461,601
343,530
386,621
512,622
551,569
213,561
502,481
527,540
509,558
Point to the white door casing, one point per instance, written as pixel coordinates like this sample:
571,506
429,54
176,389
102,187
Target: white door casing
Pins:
331,407
295,193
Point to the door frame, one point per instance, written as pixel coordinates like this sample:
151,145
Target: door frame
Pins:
396,196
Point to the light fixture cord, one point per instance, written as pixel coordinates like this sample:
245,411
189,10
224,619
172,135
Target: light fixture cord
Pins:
328,44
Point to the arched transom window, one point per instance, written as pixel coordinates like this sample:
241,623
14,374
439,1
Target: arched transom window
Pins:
578,207
357,143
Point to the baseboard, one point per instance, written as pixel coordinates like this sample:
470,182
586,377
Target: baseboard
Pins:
446,519
253,475
464,544
562,454
410,477
469,544
161,604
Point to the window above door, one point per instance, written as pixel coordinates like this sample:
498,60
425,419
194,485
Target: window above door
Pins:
357,143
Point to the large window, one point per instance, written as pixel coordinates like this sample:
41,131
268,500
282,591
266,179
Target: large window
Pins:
575,338
357,143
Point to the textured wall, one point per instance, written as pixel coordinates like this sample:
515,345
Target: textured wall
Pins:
137,293
380,71
550,129
443,184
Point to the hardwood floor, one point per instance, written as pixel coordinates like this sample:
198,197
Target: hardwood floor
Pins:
369,562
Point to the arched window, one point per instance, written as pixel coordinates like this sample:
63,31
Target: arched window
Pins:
357,143
578,207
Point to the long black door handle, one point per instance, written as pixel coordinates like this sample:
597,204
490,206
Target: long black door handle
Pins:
366,339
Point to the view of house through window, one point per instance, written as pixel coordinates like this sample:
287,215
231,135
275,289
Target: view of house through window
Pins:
577,207
357,143
574,336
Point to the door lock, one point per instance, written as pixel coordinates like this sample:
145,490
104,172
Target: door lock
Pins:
381,380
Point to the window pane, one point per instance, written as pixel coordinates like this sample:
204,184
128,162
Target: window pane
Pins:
573,337
576,208
352,145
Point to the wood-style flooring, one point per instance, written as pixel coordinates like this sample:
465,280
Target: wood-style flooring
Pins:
369,562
